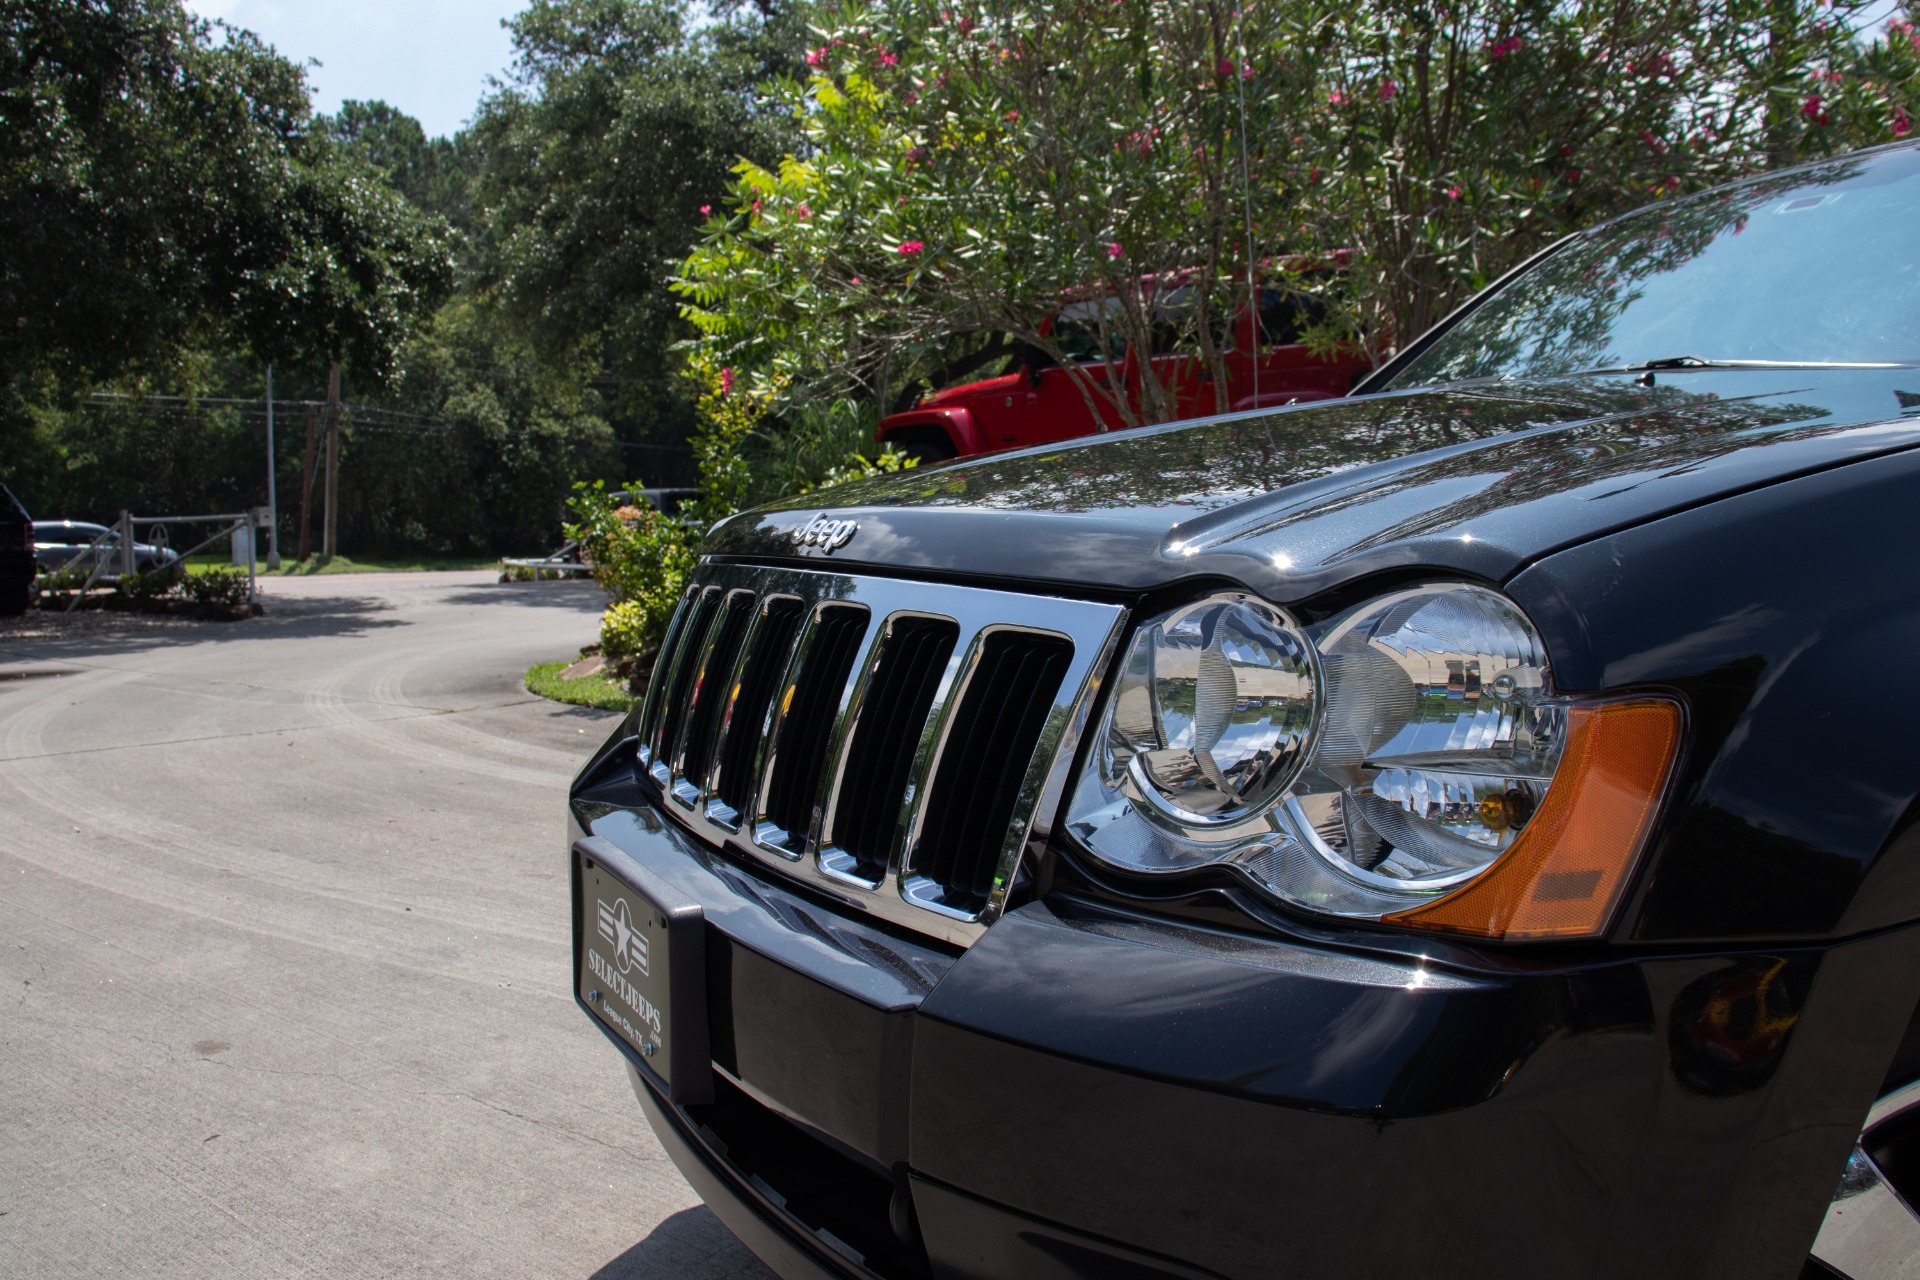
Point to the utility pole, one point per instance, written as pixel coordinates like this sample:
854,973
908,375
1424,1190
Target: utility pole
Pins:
273,491
329,527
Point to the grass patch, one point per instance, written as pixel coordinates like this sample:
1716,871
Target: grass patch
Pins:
595,691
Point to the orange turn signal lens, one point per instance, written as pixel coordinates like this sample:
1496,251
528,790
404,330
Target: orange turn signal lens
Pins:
1563,876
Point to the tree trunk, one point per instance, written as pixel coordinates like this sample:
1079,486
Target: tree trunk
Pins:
306,483
330,529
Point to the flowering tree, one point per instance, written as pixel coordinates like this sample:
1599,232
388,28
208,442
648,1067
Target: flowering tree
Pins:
975,167
970,169
1459,141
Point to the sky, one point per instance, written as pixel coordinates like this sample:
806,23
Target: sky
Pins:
429,58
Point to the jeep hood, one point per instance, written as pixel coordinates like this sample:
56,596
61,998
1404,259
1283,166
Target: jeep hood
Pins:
1474,479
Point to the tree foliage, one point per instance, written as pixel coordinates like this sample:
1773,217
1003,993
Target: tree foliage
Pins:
158,186
621,120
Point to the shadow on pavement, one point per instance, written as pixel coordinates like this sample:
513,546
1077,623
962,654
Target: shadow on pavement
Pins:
693,1245
94,633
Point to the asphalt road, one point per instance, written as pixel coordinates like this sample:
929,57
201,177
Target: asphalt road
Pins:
284,953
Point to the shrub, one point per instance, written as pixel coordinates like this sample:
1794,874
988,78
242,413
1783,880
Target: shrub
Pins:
61,580
624,630
640,558
218,587
150,584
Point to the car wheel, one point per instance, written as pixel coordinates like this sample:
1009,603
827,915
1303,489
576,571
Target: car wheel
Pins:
928,451
1870,1232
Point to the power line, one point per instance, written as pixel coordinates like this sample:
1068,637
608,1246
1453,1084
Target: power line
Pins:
361,417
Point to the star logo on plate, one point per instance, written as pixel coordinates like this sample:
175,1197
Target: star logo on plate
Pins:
629,944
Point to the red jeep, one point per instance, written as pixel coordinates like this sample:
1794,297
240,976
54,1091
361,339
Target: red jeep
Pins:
1039,402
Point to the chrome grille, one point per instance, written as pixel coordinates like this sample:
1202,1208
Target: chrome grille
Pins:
894,743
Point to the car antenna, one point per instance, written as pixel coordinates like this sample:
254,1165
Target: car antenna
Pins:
1246,194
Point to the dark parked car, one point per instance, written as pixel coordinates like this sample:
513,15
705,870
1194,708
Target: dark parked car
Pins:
16,556
1471,829
70,544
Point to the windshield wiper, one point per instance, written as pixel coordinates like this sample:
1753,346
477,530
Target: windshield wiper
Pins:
1666,363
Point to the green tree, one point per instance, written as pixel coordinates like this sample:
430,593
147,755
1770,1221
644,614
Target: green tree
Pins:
162,194
622,120
436,175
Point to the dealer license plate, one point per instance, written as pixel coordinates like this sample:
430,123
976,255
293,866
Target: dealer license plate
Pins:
642,956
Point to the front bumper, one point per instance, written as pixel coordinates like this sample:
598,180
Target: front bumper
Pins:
1089,1092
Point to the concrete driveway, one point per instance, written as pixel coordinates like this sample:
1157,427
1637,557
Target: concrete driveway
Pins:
284,953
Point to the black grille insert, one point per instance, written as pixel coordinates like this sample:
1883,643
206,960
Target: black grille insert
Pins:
989,748
766,664
893,714
800,753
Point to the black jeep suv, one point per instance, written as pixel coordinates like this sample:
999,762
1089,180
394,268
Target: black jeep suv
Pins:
1468,829
17,567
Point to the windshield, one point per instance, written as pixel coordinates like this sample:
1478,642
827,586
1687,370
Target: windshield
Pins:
1818,264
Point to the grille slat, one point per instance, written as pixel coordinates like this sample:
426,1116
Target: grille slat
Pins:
893,715
785,694
801,747
711,688
663,668
679,682
759,681
989,750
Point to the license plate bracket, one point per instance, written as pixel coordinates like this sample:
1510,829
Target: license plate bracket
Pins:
640,968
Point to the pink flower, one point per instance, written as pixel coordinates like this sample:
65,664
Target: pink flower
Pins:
1901,125
706,210
726,382
816,56
1453,193
802,212
1115,251
889,59
1224,69
1336,98
966,25
1673,183
1573,175
756,205
1814,109
1647,136
1503,48
1011,116
856,280
909,97
1388,90
910,247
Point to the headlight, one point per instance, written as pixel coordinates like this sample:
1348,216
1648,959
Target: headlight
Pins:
1214,714
1367,767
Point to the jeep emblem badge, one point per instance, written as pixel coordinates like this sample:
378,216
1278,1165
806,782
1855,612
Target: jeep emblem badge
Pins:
826,533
